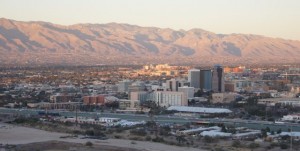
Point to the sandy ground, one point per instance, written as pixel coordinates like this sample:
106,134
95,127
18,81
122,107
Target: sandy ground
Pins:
11,134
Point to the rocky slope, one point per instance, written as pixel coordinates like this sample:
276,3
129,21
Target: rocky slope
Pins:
27,43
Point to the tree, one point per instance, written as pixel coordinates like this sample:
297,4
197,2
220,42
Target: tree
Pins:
272,132
284,146
208,139
180,139
264,133
199,93
279,131
89,132
236,143
253,145
267,129
89,144
223,128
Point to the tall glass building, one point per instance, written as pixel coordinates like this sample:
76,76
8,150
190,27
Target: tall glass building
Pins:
206,79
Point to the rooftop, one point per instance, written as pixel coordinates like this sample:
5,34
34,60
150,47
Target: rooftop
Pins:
198,109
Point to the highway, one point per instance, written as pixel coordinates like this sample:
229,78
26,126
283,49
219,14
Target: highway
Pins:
165,119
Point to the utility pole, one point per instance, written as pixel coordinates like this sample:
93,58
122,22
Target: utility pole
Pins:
76,122
291,138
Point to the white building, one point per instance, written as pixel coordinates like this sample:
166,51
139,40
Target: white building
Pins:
200,110
292,117
188,91
85,120
168,98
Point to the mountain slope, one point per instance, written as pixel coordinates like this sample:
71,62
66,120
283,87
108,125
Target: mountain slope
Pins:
47,43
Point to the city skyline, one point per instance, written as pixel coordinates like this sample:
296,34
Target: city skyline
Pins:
276,18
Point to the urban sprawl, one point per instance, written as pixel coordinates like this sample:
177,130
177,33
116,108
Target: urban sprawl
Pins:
250,107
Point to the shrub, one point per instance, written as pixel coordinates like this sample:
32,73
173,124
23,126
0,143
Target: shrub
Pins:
284,146
76,132
134,138
89,132
118,136
139,132
208,139
158,139
236,143
148,138
89,144
133,142
253,145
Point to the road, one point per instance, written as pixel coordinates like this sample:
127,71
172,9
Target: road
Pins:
167,119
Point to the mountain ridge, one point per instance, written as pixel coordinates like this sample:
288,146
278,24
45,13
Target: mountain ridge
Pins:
36,42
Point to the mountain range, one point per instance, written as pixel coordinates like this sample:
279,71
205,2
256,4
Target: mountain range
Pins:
43,43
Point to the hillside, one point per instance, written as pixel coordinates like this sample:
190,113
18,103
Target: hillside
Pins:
27,43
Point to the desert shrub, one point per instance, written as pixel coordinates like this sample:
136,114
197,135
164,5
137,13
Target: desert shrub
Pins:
236,143
284,146
253,145
133,142
89,132
158,139
76,132
148,138
118,136
139,132
208,139
89,144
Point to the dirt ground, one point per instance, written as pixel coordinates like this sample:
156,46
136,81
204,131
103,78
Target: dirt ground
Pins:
22,138
67,146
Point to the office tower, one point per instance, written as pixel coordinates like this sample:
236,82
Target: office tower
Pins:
168,98
188,91
205,79
174,84
194,78
123,85
218,79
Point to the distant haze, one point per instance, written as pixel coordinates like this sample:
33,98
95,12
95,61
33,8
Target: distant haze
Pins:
273,18
41,43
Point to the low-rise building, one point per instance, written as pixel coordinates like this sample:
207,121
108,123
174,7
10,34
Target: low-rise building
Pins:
291,117
94,100
169,98
223,97
128,104
200,110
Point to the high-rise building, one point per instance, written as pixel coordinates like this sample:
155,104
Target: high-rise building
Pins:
194,78
218,79
205,79
168,98
142,96
123,85
188,91
174,84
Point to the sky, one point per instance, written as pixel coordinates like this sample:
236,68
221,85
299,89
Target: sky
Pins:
272,18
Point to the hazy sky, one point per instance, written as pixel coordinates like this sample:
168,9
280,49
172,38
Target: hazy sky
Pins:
274,18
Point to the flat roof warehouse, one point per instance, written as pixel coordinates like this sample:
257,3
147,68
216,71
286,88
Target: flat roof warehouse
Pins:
203,110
